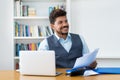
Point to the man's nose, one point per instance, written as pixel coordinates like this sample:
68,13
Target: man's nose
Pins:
65,24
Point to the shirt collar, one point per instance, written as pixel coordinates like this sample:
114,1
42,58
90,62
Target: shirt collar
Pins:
68,36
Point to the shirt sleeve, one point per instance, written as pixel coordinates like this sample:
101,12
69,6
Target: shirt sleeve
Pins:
43,45
85,46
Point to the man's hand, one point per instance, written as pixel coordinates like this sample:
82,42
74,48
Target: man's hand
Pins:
93,65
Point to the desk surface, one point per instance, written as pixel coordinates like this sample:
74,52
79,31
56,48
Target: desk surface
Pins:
14,75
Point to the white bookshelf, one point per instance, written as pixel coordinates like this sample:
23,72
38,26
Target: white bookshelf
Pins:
41,18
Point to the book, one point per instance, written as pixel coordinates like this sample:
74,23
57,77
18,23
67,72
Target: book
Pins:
31,12
18,47
25,10
17,8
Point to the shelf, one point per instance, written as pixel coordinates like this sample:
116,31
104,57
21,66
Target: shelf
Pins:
35,17
30,18
19,38
44,0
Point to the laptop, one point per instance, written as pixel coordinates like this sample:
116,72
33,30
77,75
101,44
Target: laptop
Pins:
38,63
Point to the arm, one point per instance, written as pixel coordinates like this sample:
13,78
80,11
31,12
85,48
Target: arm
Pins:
86,50
43,45
85,47
93,65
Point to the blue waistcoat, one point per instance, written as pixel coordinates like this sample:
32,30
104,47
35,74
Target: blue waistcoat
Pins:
63,58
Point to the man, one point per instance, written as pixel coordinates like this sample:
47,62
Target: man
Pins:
67,46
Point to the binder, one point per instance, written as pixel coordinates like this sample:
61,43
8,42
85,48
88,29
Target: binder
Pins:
108,70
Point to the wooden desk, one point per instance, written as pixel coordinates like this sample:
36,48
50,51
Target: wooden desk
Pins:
14,75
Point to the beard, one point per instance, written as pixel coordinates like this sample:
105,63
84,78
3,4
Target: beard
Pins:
61,32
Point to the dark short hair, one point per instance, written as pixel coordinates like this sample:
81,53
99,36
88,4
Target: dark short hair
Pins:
56,13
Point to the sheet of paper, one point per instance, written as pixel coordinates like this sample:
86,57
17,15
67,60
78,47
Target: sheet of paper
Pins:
90,73
86,59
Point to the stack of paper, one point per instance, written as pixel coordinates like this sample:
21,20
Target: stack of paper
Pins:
86,59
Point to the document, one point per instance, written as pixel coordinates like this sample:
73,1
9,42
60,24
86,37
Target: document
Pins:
82,62
86,59
90,73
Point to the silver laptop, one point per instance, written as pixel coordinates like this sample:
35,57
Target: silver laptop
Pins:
38,63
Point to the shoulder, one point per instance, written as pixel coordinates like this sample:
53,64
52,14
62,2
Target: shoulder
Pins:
51,36
73,35
78,35
43,45
46,39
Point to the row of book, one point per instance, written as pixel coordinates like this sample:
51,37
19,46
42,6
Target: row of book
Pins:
26,10
56,7
23,10
24,30
22,46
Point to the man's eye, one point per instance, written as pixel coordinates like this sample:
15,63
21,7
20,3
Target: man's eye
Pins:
60,22
66,20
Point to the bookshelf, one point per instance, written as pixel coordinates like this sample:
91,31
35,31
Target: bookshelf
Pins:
31,23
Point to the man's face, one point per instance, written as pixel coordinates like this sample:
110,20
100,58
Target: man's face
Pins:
61,25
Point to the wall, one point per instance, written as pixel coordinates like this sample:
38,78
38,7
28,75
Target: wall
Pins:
6,42
99,22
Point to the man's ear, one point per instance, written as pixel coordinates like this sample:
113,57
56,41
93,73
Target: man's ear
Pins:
52,26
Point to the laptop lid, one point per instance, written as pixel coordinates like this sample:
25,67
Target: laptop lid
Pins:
37,63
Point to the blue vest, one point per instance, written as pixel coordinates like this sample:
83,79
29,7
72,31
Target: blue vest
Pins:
63,58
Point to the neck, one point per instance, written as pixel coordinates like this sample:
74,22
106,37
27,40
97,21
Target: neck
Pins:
63,35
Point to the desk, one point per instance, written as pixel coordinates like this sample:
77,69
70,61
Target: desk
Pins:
14,75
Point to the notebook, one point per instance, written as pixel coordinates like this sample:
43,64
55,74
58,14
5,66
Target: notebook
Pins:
38,63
